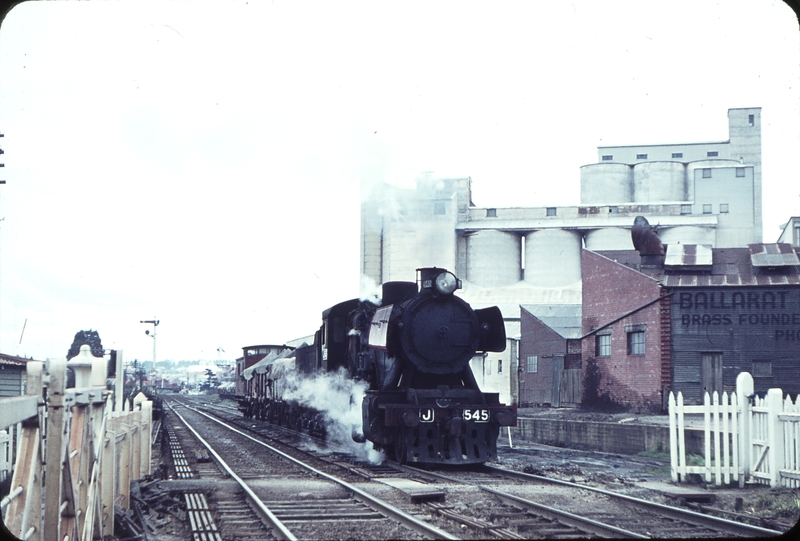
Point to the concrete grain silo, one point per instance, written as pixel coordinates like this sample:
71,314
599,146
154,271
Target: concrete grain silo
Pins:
658,182
553,257
494,258
609,238
606,183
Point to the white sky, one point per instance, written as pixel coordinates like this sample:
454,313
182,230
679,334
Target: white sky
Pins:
199,162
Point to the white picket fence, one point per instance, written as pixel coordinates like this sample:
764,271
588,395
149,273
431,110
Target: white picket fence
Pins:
746,438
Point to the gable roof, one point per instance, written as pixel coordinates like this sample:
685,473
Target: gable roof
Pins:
564,319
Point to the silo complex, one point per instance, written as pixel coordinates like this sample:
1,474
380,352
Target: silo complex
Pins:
604,183
493,258
657,182
553,257
694,192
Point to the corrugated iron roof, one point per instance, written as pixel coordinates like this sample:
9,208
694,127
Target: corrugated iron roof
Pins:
688,255
730,267
773,255
565,319
11,360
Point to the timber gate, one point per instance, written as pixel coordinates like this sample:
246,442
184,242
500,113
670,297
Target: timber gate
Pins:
89,450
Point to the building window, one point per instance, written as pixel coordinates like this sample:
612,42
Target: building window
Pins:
706,173
491,213
636,343
551,211
677,154
740,171
641,156
438,207
608,158
707,209
499,366
603,345
712,153
686,209
762,369
532,364
723,208
751,119
613,210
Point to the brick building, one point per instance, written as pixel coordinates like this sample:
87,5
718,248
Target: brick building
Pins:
625,338
691,323
550,355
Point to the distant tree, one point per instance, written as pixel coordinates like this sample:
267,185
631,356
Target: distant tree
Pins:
91,338
211,380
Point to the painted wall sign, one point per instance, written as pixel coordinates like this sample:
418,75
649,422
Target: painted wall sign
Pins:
776,308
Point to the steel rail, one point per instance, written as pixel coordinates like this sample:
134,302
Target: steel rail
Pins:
565,517
686,515
282,531
412,522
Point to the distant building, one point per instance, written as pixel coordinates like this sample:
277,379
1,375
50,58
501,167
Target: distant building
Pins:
13,375
790,234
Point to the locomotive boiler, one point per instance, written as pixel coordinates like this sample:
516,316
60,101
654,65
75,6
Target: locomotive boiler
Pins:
412,352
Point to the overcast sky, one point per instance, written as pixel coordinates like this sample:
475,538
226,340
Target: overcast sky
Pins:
200,162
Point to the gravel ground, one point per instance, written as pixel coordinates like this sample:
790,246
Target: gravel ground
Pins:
644,476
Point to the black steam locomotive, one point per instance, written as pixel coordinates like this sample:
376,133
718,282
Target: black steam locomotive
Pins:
412,352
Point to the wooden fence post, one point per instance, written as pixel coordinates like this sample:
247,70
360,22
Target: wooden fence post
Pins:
147,434
681,437
744,390
707,435
775,435
673,440
57,369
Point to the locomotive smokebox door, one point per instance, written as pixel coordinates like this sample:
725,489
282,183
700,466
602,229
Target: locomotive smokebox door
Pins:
439,334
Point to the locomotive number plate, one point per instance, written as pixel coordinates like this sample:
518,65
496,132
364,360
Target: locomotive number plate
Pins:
477,415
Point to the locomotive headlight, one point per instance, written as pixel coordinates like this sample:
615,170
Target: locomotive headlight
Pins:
446,283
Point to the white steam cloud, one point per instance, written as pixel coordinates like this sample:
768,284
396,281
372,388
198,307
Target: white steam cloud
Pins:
370,290
338,398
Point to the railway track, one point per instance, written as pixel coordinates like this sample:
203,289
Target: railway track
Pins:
494,503
314,505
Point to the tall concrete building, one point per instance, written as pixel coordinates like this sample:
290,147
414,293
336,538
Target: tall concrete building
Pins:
696,193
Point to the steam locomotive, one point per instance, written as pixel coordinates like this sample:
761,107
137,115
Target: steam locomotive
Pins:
412,354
